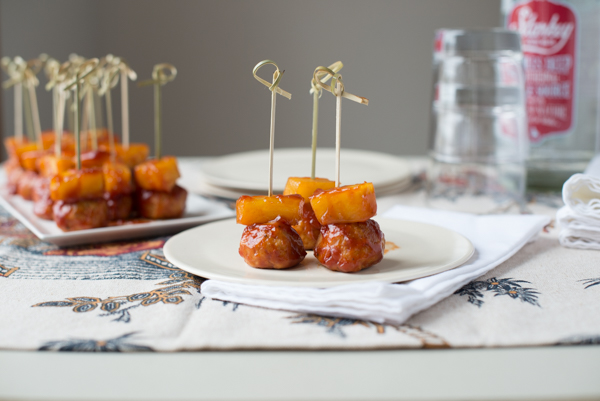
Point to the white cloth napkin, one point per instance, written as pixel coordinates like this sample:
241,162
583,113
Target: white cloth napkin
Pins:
579,219
495,238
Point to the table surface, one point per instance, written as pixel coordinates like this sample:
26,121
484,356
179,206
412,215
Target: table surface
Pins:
557,372
482,374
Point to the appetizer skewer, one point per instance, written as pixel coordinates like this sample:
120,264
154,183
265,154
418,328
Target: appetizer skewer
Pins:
269,241
158,196
349,240
78,193
85,180
309,227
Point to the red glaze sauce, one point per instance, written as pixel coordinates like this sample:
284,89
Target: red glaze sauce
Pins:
308,227
273,245
80,215
350,247
161,205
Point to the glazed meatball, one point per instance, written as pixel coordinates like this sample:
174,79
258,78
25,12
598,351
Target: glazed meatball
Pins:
161,205
119,207
273,245
26,184
350,247
80,215
42,203
13,172
309,227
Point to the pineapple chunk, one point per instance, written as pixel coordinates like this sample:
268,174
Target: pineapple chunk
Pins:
76,185
24,148
262,209
117,178
134,155
11,144
48,139
29,159
157,175
51,165
347,204
93,158
306,186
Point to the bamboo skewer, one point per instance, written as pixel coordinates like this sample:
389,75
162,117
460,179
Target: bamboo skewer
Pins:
126,73
124,109
33,67
15,70
76,122
110,79
19,112
161,74
28,116
272,135
275,89
80,72
338,130
337,88
316,92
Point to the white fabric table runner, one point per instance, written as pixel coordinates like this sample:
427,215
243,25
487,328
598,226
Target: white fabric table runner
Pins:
495,238
126,297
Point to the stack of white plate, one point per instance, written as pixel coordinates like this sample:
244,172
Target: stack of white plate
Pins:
247,173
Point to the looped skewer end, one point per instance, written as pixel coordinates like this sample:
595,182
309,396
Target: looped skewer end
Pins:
323,76
125,68
15,69
82,71
273,86
161,74
110,79
335,77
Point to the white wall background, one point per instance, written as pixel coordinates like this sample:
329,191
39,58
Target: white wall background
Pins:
215,106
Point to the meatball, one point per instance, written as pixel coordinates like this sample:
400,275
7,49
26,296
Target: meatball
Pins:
119,206
308,227
42,203
80,215
272,245
350,247
161,205
26,184
13,172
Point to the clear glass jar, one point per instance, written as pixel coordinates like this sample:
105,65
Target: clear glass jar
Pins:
478,127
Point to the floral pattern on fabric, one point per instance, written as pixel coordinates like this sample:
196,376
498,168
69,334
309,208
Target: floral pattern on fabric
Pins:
504,286
179,285
590,282
336,325
118,344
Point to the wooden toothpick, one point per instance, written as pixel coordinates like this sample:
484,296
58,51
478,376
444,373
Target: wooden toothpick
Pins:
275,89
33,67
337,88
161,74
316,92
338,129
80,72
109,81
126,73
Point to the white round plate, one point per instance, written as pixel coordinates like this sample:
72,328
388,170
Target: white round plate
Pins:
204,188
211,251
250,170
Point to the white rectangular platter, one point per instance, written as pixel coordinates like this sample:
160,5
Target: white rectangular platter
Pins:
198,210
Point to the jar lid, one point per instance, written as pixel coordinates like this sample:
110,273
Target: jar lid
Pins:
458,41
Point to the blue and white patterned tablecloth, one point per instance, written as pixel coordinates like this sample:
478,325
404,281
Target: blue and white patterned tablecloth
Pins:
126,297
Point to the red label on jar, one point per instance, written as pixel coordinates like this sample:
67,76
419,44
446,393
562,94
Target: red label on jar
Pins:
548,33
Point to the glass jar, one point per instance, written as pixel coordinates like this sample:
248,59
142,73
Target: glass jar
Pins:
560,44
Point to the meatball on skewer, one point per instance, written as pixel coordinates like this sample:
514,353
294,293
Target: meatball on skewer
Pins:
349,241
269,241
